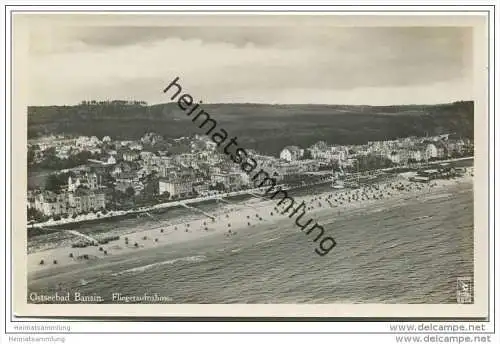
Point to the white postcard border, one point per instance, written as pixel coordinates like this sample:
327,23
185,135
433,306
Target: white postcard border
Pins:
382,310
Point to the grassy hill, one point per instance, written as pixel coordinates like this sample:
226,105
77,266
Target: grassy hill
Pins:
264,127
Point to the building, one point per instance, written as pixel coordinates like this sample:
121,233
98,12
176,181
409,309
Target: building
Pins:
201,188
111,160
185,159
135,146
165,170
126,177
63,152
328,154
106,161
82,141
86,180
231,180
455,147
210,145
395,157
284,170
87,142
146,155
309,165
431,151
442,151
416,154
175,187
51,204
121,167
291,153
130,156
31,199
151,138
94,141
84,201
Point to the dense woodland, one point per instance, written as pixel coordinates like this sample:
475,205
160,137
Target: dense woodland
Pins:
267,128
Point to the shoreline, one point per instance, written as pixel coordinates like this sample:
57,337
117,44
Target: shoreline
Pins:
255,212
51,224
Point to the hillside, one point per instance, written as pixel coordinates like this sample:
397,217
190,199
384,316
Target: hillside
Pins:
267,128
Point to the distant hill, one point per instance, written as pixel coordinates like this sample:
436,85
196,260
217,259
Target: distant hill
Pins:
267,128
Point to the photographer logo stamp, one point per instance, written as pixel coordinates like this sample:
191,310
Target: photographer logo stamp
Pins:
464,290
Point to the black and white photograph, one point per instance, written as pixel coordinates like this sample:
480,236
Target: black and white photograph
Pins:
250,161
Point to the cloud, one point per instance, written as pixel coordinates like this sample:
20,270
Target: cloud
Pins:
263,63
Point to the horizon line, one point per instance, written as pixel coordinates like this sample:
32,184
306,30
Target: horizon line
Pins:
257,103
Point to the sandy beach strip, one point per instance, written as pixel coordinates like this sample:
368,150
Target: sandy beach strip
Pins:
121,213
239,217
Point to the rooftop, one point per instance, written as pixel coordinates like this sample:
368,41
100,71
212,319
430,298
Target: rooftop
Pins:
292,148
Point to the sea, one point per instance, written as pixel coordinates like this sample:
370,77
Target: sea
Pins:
405,252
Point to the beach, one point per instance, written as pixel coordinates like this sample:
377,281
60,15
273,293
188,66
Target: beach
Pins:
51,223
229,221
406,248
214,196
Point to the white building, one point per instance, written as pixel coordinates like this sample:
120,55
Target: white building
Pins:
131,156
94,141
431,151
111,160
231,180
83,141
395,157
291,153
175,187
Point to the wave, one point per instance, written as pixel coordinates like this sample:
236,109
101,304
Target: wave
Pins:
376,210
423,217
190,259
268,240
83,282
431,197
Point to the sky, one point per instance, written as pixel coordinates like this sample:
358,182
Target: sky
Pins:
275,65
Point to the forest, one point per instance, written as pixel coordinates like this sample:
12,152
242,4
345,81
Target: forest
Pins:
264,127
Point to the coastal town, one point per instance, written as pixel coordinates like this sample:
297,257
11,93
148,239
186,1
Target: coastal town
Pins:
73,177
243,164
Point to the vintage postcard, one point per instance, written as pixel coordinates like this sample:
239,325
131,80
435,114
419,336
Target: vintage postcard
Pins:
238,165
